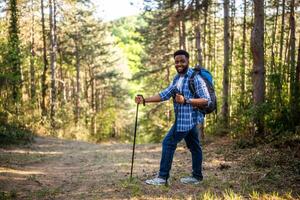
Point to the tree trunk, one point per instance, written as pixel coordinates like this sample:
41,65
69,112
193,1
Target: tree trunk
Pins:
232,24
273,86
78,91
281,37
45,62
52,15
204,36
292,61
274,31
13,56
198,45
243,66
32,56
225,107
297,85
93,102
198,35
257,49
182,31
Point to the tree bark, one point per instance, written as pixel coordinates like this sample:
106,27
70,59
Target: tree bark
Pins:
32,56
45,62
52,15
243,66
225,106
204,36
292,61
257,49
297,84
198,35
78,90
281,37
274,86
182,29
93,102
13,56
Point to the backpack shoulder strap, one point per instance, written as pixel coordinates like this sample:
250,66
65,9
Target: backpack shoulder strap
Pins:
192,88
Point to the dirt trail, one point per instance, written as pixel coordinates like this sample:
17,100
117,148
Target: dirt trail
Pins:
61,169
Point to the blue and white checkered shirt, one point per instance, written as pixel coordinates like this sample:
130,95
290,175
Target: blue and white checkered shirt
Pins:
187,117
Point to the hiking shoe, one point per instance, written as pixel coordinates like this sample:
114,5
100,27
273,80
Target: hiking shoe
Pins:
190,180
156,181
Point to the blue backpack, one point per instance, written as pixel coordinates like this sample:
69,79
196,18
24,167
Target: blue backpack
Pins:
208,79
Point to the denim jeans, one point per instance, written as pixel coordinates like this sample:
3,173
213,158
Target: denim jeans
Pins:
169,145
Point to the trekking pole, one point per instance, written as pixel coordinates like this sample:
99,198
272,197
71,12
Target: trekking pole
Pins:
134,137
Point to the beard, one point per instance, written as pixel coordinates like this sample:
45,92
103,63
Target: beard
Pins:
183,70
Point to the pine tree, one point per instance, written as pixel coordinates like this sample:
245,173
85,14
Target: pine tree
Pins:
257,48
13,57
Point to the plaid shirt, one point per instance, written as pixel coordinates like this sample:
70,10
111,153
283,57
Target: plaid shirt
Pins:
187,117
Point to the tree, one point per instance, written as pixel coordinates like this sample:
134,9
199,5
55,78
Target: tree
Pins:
243,65
13,57
257,49
225,106
45,63
32,56
297,86
52,21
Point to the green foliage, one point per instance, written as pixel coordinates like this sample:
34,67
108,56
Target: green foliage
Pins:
127,37
14,134
8,195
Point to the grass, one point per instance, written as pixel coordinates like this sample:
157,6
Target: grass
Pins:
50,193
133,185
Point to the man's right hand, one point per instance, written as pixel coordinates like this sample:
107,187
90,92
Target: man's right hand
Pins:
139,99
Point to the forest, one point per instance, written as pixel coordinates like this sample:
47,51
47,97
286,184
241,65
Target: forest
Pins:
68,74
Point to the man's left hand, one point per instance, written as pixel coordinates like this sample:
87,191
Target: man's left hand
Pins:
179,99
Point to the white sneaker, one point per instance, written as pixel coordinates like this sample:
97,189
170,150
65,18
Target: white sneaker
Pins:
190,180
156,181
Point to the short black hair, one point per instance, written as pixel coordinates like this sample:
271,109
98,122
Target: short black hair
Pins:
181,52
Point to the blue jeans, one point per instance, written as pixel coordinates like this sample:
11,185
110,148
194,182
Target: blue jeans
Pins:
169,145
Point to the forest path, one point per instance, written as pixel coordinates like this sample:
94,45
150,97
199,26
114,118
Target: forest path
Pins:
53,168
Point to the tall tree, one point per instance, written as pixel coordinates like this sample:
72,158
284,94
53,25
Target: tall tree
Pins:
45,63
225,106
78,85
292,61
243,65
257,49
52,21
32,55
13,58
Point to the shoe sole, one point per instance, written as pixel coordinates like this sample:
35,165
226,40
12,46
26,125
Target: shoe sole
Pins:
163,184
196,183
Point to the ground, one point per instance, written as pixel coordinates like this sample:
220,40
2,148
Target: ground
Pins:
53,168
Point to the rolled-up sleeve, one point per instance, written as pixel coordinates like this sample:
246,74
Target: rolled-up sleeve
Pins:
167,93
201,89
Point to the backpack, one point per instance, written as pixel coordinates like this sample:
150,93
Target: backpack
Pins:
208,79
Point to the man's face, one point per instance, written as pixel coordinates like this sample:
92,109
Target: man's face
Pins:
181,64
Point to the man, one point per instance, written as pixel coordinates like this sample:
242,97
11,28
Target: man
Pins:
186,120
